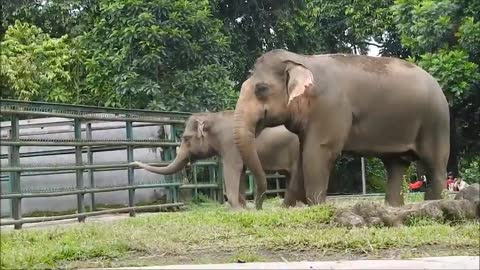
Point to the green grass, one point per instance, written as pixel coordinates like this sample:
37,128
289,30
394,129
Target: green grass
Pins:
206,232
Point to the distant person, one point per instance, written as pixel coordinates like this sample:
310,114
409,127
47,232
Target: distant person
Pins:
460,184
450,181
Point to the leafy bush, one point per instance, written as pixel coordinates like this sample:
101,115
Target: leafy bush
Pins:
470,170
376,175
168,55
35,66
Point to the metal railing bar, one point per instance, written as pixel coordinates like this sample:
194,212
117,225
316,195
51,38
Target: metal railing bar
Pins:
85,191
96,166
88,214
154,119
67,128
66,142
85,108
192,186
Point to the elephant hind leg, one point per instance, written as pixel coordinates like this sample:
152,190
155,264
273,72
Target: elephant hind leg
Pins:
434,150
435,166
396,168
295,190
232,185
242,197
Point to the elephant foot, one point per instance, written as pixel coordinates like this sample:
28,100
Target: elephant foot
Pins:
288,204
259,201
243,201
237,209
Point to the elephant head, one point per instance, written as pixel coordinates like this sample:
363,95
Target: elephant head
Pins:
196,144
278,80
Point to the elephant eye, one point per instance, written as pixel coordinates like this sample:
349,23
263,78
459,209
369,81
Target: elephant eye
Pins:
186,138
261,90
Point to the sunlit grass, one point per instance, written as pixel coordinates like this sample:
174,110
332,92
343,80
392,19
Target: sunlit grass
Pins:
215,228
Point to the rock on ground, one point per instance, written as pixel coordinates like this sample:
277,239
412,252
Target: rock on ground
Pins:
377,214
471,193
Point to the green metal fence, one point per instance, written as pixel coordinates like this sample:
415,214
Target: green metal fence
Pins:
17,109
14,110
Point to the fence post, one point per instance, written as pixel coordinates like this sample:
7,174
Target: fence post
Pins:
79,172
131,192
171,155
220,181
90,162
277,184
211,180
364,180
252,185
14,161
195,182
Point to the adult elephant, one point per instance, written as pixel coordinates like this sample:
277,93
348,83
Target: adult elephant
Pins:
374,106
210,134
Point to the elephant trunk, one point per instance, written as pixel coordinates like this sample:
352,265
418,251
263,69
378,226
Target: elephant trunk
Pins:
176,165
244,137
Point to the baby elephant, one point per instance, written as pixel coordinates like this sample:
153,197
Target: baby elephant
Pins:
210,134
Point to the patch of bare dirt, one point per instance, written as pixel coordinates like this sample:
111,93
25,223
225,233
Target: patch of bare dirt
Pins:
241,256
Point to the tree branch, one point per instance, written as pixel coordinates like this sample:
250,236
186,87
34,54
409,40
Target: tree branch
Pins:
372,44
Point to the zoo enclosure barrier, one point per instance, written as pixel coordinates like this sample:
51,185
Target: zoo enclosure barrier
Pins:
83,117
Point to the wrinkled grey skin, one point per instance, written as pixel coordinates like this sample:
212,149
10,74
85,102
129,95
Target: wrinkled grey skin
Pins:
373,106
210,134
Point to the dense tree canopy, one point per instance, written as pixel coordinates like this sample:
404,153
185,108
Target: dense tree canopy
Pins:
193,55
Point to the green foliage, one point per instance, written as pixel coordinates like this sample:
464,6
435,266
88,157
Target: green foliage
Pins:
469,37
35,66
470,170
444,36
55,17
405,188
376,175
455,73
168,51
431,23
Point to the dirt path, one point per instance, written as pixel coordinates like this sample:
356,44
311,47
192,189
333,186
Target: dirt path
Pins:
457,262
245,256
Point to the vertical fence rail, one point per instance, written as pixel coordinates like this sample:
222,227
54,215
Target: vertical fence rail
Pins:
14,161
277,185
211,180
131,180
195,182
172,155
79,172
88,130
220,180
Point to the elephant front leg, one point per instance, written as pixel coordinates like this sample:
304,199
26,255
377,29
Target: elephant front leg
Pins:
317,163
395,170
232,185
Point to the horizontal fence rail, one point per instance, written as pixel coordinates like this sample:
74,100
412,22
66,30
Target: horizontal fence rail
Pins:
82,118
66,142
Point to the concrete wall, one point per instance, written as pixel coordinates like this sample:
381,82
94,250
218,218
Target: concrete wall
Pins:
60,128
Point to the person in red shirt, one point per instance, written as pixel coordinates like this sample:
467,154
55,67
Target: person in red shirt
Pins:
450,181
417,185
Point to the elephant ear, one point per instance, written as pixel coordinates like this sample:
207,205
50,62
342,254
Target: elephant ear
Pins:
202,127
299,79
